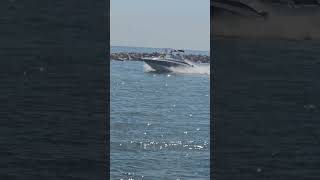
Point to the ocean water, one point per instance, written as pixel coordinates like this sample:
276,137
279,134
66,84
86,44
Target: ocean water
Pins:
159,123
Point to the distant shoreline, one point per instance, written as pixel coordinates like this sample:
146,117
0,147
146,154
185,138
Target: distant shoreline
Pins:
132,49
137,56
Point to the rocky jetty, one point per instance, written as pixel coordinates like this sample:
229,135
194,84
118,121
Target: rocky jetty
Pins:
138,56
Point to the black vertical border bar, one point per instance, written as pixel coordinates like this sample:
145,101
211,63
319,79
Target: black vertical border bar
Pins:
269,131
108,91
54,89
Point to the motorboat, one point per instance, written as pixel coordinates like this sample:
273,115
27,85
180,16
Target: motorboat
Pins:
165,63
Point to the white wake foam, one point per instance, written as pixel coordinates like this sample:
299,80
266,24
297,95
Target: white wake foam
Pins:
196,69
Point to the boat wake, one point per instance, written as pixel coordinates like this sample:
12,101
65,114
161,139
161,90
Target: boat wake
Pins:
196,69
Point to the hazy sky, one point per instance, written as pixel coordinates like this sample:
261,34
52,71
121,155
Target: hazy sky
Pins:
181,24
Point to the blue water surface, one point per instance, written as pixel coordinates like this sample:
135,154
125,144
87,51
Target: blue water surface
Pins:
159,124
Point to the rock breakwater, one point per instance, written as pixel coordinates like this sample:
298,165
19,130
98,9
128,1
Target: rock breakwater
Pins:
138,57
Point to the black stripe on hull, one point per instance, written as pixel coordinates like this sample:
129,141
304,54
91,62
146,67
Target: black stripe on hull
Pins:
164,66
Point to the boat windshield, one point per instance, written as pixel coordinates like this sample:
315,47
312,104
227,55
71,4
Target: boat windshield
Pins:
176,55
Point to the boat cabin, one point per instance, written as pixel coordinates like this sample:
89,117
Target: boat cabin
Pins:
175,54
